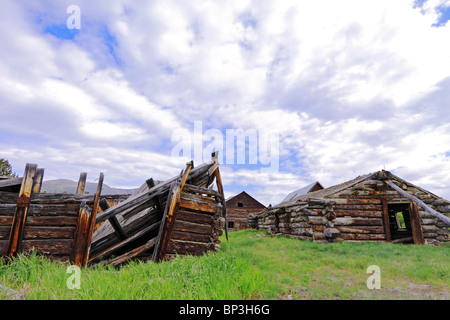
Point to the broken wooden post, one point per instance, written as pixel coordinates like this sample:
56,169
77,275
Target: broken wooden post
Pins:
81,183
92,219
37,184
20,215
81,235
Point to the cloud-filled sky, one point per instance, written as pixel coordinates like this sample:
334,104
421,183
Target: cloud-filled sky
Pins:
347,87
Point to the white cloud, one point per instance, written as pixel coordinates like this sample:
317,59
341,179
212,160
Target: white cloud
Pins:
349,86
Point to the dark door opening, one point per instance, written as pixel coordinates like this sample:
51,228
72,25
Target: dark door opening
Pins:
400,222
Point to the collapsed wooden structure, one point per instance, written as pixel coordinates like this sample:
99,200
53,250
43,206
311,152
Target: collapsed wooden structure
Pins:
182,215
375,207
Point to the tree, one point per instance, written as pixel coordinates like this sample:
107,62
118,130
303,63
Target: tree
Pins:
6,169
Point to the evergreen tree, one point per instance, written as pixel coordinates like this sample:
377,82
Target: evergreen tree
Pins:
6,169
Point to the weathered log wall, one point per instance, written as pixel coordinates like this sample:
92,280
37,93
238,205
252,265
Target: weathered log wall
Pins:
309,220
356,213
359,211
50,224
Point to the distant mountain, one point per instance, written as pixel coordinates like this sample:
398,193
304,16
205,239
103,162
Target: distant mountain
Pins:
69,186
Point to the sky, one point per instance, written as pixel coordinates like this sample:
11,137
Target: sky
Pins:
325,90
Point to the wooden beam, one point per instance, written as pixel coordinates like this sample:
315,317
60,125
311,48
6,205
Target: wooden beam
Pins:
104,205
81,235
37,183
119,245
91,222
415,223
131,254
387,228
20,215
419,202
173,210
81,183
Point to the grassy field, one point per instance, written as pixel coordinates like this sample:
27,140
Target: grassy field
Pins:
252,265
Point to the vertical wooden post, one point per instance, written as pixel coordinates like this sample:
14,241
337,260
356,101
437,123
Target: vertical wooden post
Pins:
168,220
416,226
104,205
79,241
37,185
85,228
387,227
92,219
81,183
20,215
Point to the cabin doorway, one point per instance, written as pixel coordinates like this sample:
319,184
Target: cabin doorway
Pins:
404,223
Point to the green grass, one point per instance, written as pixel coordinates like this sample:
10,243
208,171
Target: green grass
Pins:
252,265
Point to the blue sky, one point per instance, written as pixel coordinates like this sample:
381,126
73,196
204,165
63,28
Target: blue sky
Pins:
349,90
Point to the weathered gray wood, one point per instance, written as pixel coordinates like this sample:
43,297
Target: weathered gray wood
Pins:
419,202
113,220
141,200
131,254
81,183
119,245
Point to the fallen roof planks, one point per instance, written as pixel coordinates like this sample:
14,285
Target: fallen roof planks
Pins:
182,215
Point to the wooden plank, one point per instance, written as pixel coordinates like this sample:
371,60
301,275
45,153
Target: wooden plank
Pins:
81,183
11,182
143,199
55,210
189,247
358,213
37,183
48,232
173,210
20,215
52,221
386,223
81,236
195,217
349,221
419,202
199,206
92,220
359,207
119,245
189,236
131,254
113,221
361,229
193,227
415,223
48,246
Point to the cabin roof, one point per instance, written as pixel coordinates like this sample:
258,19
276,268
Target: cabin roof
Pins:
301,191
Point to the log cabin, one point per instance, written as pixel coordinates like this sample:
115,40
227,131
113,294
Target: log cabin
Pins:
239,207
377,206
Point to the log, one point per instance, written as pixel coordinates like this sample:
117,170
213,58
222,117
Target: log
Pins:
403,240
349,221
331,233
113,220
419,202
